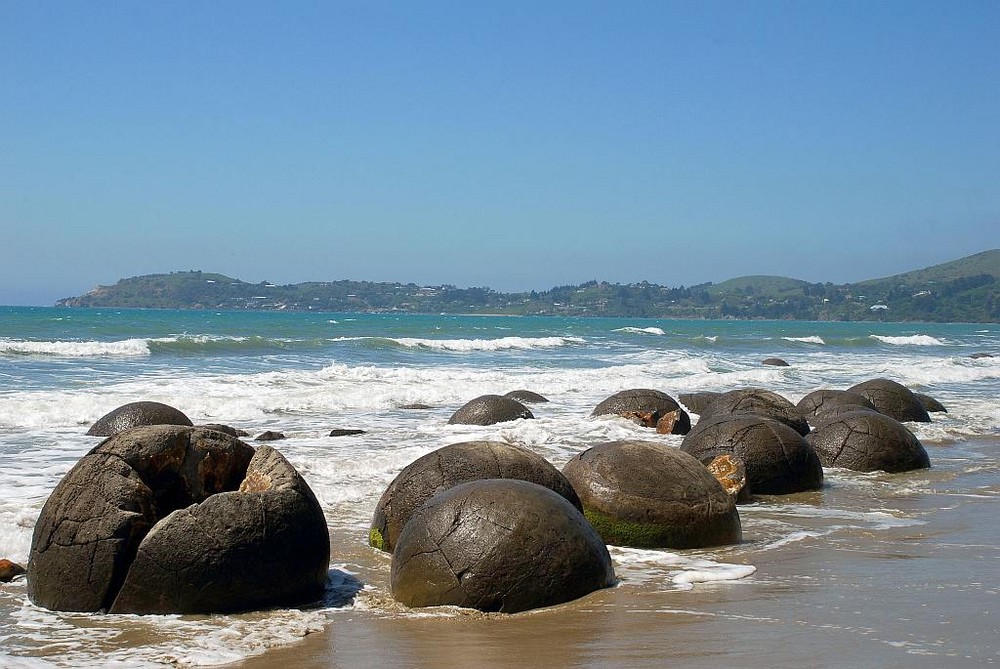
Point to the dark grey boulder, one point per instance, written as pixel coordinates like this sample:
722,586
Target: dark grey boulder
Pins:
778,460
981,355
930,404
488,410
893,399
645,406
345,432
498,545
823,401
866,441
449,466
227,429
526,397
757,402
270,435
774,362
698,402
128,494
416,405
135,414
649,495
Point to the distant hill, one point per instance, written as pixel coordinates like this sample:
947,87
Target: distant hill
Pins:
966,290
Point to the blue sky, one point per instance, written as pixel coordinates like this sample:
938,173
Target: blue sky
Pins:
514,145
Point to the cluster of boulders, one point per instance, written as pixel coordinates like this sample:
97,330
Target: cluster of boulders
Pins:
166,517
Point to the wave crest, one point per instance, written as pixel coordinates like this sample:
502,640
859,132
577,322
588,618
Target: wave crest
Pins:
125,348
910,340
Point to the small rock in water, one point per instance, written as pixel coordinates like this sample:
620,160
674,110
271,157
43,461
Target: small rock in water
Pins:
416,405
269,436
775,362
339,432
977,356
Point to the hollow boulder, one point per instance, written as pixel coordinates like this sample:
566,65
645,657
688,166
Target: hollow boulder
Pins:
778,460
498,545
893,399
135,414
153,520
648,495
449,466
757,402
488,410
866,441
646,407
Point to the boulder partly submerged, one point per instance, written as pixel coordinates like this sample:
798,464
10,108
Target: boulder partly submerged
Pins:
136,414
170,519
489,410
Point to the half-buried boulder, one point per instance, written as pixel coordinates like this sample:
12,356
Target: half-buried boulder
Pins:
488,410
498,545
648,495
778,460
893,399
449,466
757,402
169,519
865,441
698,402
646,407
526,397
823,401
136,414
930,404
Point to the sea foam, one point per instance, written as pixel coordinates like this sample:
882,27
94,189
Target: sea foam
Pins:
911,340
76,349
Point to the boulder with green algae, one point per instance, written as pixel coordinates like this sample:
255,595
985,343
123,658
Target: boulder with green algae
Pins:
498,545
449,466
648,495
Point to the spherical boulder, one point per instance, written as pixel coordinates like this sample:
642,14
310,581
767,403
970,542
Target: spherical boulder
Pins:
649,495
866,441
170,519
823,401
698,402
499,545
645,406
757,402
526,397
135,414
449,466
488,410
930,404
778,460
893,399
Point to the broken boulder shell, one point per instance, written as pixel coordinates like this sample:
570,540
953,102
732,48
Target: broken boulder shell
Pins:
646,407
170,519
449,466
648,495
498,545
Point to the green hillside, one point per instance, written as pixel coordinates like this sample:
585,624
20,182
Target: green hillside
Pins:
963,290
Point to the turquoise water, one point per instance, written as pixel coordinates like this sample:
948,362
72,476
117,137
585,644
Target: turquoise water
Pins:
304,374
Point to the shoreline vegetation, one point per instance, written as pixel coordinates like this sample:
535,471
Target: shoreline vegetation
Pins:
964,290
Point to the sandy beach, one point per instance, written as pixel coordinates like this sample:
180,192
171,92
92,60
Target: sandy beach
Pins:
920,595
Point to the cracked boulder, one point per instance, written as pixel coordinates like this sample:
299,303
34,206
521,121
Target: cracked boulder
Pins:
170,519
893,399
778,459
498,545
865,441
757,402
824,401
646,407
648,495
449,466
698,402
488,410
136,414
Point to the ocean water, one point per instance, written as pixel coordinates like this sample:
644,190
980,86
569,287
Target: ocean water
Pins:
304,374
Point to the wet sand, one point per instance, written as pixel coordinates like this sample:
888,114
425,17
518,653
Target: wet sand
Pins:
923,595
